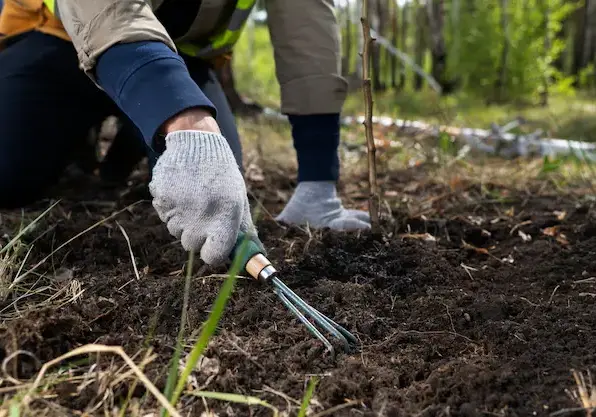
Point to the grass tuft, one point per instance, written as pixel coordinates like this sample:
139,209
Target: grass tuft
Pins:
584,393
95,348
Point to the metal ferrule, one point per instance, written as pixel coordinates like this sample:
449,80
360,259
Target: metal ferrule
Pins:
259,267
267,272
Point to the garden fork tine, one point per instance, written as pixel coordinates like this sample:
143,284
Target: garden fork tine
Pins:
260,268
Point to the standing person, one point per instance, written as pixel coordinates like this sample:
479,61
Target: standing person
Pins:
67,64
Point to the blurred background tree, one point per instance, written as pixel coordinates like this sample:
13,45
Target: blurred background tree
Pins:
462,60
470,62
500,50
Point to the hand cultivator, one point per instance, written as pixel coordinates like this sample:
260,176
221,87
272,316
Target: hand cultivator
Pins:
261,269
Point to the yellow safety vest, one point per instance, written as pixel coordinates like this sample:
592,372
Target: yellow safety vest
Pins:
219,44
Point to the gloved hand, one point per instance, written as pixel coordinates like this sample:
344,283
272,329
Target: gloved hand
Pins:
199,192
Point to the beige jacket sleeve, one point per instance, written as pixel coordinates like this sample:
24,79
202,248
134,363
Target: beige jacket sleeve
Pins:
306,43
96,25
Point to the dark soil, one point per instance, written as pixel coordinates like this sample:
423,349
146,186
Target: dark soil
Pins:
476,322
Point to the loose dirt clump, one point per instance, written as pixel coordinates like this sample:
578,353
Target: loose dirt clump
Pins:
474,310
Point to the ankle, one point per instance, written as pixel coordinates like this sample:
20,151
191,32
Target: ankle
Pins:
314,192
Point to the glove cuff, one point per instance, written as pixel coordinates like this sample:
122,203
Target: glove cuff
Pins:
196,147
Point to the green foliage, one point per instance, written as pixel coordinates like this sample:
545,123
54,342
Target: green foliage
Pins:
510,54
447,144
587,78
532,44
550,165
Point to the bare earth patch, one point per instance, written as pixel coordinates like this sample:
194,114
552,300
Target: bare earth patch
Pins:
479,301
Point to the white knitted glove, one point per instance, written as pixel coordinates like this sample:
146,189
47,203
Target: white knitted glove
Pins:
199,192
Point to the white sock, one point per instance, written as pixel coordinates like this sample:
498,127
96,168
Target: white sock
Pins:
316,203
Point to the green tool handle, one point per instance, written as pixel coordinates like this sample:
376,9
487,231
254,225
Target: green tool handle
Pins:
251,249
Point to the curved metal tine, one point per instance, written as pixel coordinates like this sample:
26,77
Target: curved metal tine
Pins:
305,321
319,318
339,327
342,330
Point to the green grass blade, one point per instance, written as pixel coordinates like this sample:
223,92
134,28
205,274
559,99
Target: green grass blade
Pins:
235,398
173,374
211,324
310,390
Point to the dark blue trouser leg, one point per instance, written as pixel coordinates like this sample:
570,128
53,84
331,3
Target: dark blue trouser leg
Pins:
47,106
207,81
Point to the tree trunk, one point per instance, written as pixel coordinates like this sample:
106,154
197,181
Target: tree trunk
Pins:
502,68
378,24
590,35
579,38
360,39
436,22
588,50
455,52
373,198
404,43
547,45
420,47
394,15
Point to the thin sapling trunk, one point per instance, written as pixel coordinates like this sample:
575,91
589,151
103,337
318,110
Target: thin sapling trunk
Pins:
373,198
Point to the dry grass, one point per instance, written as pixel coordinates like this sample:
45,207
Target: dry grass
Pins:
43,387
100,382
584,393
